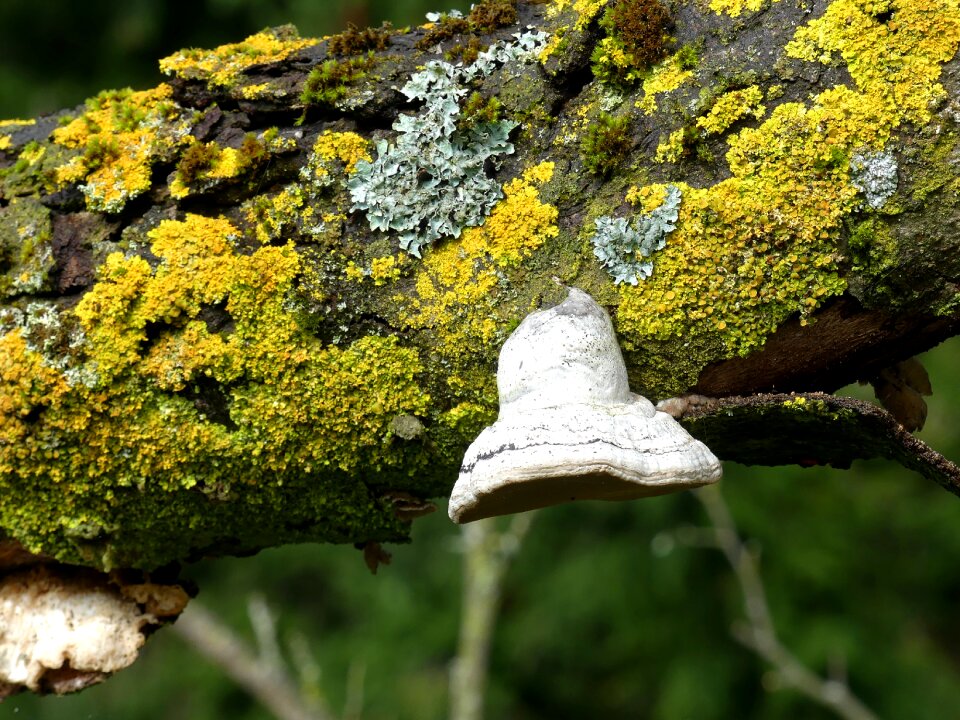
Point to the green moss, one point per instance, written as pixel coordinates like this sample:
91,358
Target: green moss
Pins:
606,144
637,38
687,57
465,52
26,251
489,15
357,41
447,27
478,110
334,80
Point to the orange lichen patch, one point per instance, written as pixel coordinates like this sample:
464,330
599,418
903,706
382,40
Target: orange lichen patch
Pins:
121,135
456,287
222,66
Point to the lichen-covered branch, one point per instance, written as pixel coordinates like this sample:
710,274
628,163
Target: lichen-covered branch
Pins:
262,302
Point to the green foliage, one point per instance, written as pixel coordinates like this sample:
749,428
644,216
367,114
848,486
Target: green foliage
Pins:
606,144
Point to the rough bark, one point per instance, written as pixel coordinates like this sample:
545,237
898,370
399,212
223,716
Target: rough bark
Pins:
206,349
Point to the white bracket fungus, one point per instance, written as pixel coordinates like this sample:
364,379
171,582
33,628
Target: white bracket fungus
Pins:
569,428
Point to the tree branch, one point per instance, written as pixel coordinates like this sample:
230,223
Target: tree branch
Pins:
758,631
262,673
487,552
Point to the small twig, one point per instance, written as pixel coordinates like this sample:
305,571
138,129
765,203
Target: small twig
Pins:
265,680
356,677
487,554
758,632
265,631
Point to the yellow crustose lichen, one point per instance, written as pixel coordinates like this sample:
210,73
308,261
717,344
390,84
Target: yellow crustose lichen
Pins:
334,153
730,107
665,77
455,286
586,10
121,135
293,407
763,245
223,66
734,8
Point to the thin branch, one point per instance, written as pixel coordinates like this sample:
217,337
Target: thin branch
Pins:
266,680
487,554
758,632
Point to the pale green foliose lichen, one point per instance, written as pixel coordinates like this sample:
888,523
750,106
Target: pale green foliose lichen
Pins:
875,175
620,244
431,182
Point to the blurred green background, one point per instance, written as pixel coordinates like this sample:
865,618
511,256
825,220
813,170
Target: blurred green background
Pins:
604,614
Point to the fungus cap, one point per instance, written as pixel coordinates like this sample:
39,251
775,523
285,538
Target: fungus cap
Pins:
569,428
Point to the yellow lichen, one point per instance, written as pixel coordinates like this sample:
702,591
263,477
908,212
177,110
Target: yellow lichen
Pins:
255,91
456,285
896,63
763,245
665,77
671,149
552,45
334,154
734,8
347,147
586,10
289,407
222,66
208,163
122,134
730,107
382,270
6,142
